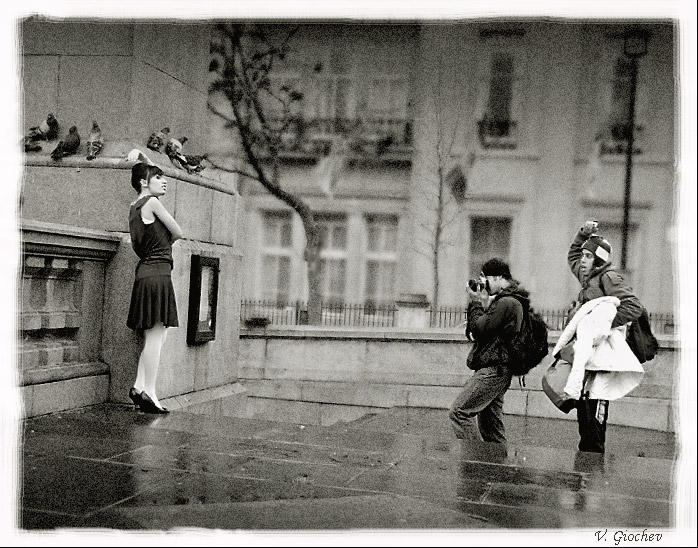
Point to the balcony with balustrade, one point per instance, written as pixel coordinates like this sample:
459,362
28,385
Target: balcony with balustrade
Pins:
379,139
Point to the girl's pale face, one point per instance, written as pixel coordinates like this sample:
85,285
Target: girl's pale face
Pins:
157,185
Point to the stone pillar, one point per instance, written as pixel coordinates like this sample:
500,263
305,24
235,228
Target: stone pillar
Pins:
412,310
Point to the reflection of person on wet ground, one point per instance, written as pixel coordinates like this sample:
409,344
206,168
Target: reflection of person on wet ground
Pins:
589,465
494,316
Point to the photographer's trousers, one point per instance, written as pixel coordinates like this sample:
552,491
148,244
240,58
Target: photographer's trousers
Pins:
481,402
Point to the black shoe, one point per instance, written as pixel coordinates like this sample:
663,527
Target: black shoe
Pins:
148,406
135,396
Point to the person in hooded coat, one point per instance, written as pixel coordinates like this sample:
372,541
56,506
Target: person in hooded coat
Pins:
590,259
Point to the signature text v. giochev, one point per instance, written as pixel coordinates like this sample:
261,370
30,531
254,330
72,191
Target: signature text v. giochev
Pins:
627,536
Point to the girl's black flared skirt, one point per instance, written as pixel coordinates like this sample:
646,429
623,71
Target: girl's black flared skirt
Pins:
152,301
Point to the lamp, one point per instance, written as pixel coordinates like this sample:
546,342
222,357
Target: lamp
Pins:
634,47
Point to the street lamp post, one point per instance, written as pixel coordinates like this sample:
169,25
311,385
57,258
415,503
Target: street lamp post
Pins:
634,47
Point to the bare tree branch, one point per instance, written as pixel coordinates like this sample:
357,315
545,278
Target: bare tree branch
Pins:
244,79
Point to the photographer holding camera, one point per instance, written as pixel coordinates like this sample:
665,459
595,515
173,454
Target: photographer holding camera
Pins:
495,315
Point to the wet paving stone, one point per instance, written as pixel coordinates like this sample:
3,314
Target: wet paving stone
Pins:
346,514
519,476
193,489
274,449
182,458
436,488
131,428
67,445
639,488
615,510
354,440
41,520
77,487
222,426
319,474
517,517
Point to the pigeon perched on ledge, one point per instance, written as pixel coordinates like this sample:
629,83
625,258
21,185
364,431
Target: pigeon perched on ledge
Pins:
195,163
158,139
47,130
95,142
173,149
67,146
31,145
192,163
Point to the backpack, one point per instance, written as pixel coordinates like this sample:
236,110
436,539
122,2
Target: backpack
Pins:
641,340
530,345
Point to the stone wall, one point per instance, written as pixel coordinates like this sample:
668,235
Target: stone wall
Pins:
321,374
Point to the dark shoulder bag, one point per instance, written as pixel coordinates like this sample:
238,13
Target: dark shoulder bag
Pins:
640,338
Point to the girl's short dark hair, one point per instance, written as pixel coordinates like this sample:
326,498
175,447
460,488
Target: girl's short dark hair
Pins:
143,171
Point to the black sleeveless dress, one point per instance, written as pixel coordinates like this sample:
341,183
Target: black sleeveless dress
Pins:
153,297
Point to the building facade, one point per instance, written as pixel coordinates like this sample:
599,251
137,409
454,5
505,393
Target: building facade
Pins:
430,148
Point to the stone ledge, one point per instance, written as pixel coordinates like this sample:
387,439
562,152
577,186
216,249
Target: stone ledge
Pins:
40,237
449,335
640,412
182,401
118,162
63,395
63,372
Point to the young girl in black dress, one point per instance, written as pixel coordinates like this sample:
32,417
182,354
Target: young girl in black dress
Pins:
153,307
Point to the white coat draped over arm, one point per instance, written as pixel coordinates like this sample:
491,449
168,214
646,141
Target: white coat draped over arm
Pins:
602,349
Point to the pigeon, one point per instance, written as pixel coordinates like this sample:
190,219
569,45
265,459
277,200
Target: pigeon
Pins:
158,139
174,146
45,131
173,149
195,163
94,141
67,146
31,145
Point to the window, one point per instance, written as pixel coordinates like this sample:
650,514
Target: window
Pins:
382,110
381,259
276,257
333,258
489,237
285,105
331,92
497,126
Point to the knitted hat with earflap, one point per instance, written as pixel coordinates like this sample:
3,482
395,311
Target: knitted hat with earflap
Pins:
600,248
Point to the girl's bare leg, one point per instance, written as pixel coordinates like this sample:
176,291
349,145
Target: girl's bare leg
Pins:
149,360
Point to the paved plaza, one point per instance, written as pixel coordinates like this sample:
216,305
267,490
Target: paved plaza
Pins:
112,468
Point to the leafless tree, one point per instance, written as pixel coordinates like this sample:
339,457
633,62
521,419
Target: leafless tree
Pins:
446,172
243,61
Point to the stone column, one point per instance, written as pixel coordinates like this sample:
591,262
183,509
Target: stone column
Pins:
412,310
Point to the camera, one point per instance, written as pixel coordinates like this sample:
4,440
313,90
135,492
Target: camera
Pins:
475,285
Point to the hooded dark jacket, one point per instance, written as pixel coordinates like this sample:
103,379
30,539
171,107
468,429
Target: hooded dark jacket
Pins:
603,281
494,328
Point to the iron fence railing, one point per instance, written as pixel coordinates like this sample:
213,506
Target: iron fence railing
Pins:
260,312
333,314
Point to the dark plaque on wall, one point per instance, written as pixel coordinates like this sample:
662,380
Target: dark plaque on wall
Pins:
203,299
